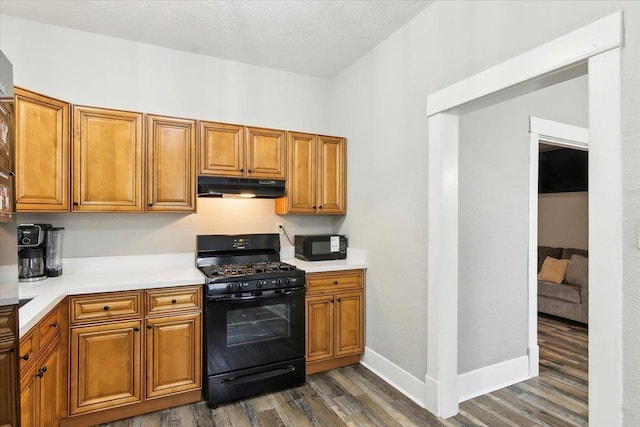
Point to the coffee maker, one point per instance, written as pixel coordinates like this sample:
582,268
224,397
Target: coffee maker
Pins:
39,252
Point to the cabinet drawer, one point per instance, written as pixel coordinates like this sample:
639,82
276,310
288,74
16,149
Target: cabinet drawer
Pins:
49,327
174,299
7,321
118,305
28,351
335,280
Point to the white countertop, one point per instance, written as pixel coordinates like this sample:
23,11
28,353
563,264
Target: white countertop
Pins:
122,273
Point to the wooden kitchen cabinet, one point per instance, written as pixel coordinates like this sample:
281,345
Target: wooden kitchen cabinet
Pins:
266,149
174,340
105,365
43,386
238,151
334,319
42,153
107,160
105,362
171,164
174,354
316,182
133,352
8,366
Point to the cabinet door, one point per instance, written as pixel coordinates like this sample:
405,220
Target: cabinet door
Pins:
8,385
28,407
107,160
332,174
174,355
105,363
301,177
266,151
171,164
42,153
50,390
221,149
349,323
320,332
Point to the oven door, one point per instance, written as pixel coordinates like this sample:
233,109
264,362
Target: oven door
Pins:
253,329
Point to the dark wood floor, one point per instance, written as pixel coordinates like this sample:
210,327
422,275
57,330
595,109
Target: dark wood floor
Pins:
354,396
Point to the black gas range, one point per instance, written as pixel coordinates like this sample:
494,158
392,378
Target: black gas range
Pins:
254,317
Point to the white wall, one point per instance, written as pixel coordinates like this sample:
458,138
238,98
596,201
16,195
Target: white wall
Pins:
563,220
494,220
89,69
380,103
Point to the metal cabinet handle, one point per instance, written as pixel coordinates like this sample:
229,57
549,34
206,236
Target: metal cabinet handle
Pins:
53,325
241,169
137,329
335,282
76,203
149,326
249,171
150,204
105,308
173,301
320,207
41,372
25,357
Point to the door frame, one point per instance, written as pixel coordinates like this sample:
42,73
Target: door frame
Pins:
596,46
562,135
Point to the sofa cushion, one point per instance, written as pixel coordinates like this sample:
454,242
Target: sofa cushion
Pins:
553,270
567,293
545,251
567,252
578,271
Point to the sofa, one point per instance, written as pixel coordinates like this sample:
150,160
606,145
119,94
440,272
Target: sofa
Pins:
563,294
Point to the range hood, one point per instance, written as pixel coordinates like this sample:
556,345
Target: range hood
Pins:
213,186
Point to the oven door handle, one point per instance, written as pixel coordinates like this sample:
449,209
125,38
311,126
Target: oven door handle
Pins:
232,298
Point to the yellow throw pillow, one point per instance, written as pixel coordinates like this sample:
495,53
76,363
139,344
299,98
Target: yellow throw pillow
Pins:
553,270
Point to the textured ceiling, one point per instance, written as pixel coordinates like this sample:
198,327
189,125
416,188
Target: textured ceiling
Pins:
317,38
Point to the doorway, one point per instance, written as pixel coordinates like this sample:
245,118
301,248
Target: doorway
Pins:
597,46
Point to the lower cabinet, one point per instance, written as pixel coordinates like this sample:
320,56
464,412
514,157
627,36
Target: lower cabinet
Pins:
8,367
334,319
42,377
105,365
134,352
174,354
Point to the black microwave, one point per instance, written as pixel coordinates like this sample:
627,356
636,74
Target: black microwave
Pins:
320,247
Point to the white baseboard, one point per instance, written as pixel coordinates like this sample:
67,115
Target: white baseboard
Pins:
534,360
490,378
394,375
431,390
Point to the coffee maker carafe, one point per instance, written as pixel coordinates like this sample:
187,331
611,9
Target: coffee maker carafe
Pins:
39,251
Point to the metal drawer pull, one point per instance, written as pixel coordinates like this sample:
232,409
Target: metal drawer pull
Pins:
173,301
54,325
25,357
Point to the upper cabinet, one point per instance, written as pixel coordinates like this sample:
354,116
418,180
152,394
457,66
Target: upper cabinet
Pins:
265,150
221,149
171,164
42,153
107,160
236,151
316,181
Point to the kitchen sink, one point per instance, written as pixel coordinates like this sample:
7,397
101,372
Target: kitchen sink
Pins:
23,301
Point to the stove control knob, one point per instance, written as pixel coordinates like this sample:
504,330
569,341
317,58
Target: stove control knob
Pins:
279,282
287,281
259,283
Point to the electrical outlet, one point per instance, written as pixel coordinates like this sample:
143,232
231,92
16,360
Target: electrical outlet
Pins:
279,225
